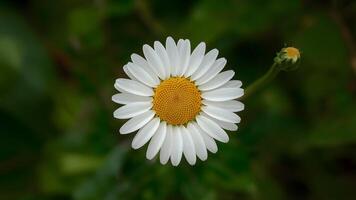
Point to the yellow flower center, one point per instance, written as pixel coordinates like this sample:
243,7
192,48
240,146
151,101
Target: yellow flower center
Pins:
177,100
292,52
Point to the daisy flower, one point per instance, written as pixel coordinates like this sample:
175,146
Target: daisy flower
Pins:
179,101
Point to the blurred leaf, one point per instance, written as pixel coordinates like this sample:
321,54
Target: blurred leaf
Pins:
31,77
72,164
211,19
121,7
22,51
208,14
253,17
84,25
338,131
324,55
83,21
104,181
27,80
232,175
10,52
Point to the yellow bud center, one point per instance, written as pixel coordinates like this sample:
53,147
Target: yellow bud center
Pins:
292,52
177,101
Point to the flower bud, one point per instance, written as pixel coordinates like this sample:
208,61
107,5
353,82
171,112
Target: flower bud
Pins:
288,59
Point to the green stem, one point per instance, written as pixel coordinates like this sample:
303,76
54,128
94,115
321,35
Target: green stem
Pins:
261,82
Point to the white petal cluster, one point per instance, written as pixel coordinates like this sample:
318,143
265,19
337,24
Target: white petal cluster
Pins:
218,93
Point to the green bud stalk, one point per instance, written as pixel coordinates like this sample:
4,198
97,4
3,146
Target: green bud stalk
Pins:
287,59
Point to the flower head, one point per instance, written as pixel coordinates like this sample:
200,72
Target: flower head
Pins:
291,53
288,58
179,101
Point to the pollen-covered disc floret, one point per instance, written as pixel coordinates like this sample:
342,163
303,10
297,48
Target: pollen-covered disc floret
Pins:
178,101
291,53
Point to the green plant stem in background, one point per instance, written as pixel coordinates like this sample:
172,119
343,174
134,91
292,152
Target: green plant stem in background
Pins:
261,82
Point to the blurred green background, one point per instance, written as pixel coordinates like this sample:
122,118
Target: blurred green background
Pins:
59,60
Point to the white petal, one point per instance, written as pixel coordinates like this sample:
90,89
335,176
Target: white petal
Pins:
198,141
179,67
212,128
225,125
162,54
126,98
177,146
137,122
212,72
167,146
195,59
133,87
221,114
180,44
132,110
142,75
154,61
188,146
157,141
184,53
145,134
217,81
223,94
129,74
232,105
138,60
173,55
207,62
208,141
119,88
232,83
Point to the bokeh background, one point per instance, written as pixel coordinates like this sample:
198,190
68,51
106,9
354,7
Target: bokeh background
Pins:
59,61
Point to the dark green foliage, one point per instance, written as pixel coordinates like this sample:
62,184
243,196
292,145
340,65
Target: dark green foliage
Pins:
59,60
